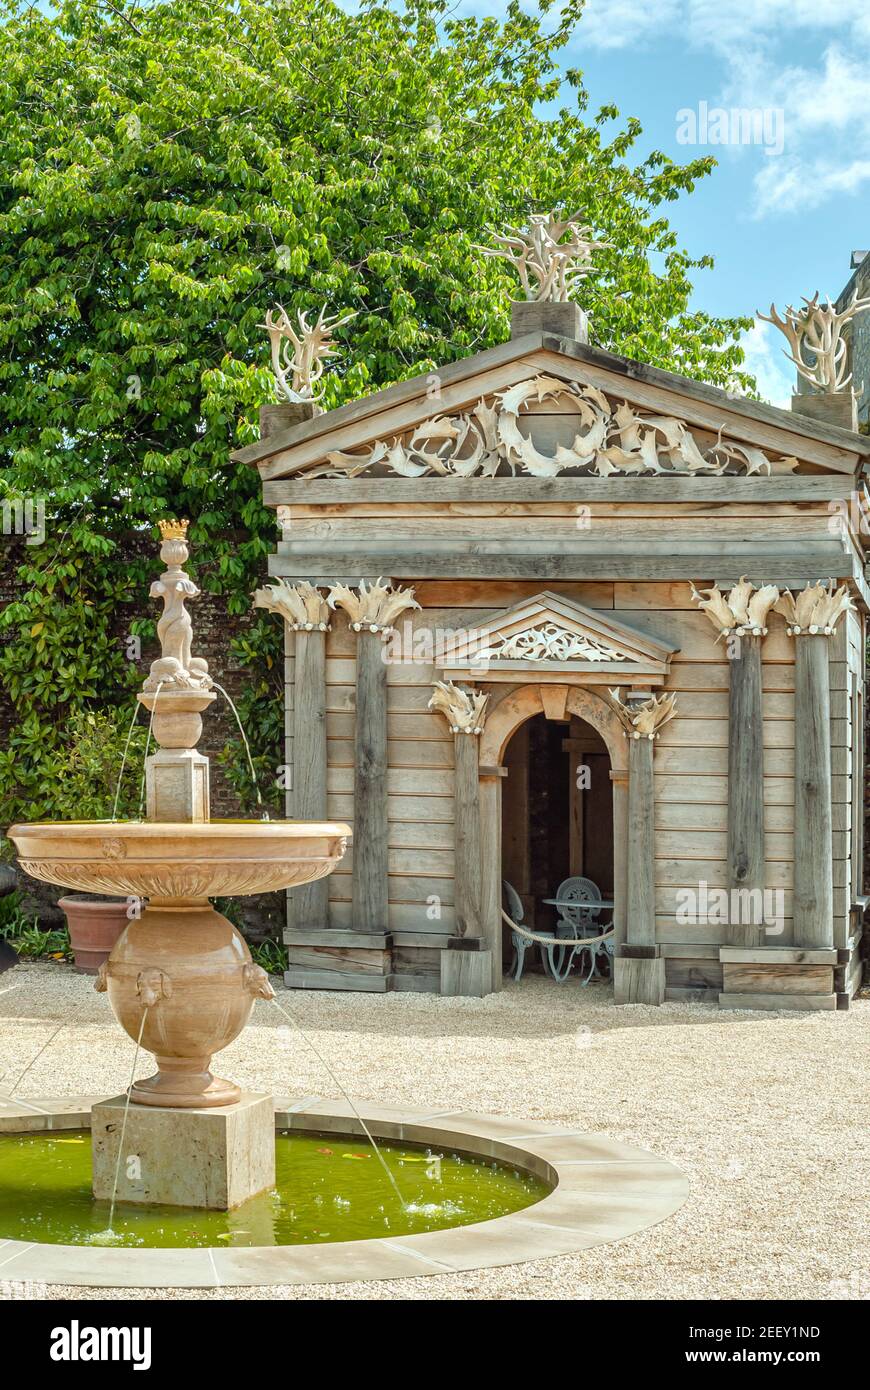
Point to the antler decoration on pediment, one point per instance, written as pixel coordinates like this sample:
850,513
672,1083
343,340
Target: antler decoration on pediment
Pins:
374,607
549,255
815,337
611,438
816,610
644,718
743,611
463,709
301,606
300,352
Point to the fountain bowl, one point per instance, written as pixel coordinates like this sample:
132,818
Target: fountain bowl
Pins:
180,862
180,978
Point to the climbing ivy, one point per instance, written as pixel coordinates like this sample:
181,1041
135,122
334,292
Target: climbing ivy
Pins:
167,171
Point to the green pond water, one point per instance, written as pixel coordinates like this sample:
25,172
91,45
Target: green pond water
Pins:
327,1188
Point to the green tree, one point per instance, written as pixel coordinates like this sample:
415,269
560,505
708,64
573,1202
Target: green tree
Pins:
169,171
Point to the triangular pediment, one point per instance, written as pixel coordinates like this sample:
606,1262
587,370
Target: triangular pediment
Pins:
551,634
542,407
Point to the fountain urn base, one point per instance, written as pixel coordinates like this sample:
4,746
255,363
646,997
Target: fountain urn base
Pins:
181,982
213,1158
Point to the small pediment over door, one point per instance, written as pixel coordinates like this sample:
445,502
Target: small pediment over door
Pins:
560,641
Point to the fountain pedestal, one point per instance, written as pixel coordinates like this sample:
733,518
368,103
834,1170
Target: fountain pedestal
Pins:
214,1158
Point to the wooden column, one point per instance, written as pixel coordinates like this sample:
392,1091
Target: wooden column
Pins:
813,853
467,833
641,908
619,780
309,905
746,786
490,851
638,969
370,888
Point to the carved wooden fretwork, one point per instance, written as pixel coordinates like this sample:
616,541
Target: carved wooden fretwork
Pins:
559,640
743,610
644,718
815,611
550,642
612,438
463,709
301,606
373,607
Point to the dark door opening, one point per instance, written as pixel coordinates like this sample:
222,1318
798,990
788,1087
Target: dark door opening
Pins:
557,818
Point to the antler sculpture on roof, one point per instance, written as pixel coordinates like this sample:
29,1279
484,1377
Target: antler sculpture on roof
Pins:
814,334
301,352
549,255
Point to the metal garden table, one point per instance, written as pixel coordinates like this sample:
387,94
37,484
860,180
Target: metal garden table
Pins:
561,970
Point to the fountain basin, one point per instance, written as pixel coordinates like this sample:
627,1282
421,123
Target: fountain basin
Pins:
180,862
601,1190
325,1187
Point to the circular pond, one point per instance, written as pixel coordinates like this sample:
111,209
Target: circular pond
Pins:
327,1188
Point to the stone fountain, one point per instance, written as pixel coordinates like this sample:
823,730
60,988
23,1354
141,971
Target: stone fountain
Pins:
180,979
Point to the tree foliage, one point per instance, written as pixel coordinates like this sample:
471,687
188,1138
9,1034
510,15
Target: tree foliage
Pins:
167,172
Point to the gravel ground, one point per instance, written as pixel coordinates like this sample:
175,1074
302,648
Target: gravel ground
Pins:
767,1113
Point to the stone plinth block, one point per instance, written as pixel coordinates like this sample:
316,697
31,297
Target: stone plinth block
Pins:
177,785
214,1158
563,320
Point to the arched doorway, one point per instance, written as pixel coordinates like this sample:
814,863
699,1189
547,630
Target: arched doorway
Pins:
560,724
557,816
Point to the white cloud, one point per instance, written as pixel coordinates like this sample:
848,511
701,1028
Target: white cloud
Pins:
608,24
730,27
825,102
800,185
773,373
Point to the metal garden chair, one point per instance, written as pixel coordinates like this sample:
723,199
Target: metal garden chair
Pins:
516,913
578,918
521,936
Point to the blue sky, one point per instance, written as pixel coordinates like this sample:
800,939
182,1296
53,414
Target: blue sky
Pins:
781,222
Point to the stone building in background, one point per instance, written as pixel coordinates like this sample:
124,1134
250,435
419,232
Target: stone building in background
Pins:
858,333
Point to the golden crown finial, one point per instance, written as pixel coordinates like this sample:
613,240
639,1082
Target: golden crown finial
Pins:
173,530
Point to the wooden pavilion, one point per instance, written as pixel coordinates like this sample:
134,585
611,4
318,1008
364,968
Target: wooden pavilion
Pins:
547,559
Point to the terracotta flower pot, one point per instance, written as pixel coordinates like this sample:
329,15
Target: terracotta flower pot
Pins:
94,927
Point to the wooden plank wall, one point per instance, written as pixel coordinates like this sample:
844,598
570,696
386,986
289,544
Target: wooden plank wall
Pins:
690,757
